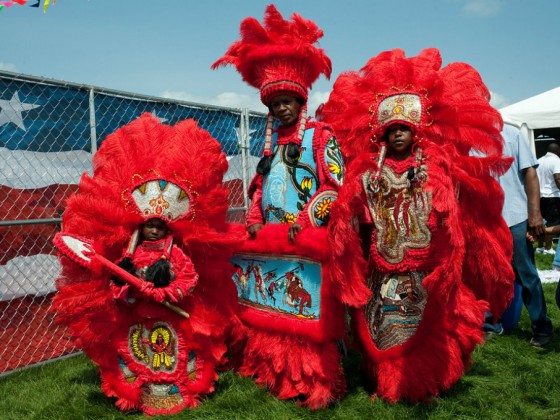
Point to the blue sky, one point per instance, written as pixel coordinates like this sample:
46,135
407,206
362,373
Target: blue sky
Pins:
165,48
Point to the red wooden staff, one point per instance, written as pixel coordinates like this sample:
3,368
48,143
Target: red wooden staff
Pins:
81,251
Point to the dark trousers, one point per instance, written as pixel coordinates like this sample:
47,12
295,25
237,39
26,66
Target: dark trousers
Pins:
527,276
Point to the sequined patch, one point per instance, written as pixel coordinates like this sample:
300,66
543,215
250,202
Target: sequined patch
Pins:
160,198
156,348
401,107
284,284
290,184
333,160
396,307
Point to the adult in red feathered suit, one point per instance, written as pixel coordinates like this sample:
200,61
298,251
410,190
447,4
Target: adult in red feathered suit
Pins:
293,328
438,251
155,204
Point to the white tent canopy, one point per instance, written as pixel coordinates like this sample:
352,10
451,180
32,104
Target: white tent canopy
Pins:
538,112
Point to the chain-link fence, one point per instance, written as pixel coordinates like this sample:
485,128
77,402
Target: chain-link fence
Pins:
49,131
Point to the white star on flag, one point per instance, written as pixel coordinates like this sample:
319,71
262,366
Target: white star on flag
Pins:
12,109
238,134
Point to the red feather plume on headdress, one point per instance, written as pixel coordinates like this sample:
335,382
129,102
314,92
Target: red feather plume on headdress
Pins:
279,56
455,108
147,150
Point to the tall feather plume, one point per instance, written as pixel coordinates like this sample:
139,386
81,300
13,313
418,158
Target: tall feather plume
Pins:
279,49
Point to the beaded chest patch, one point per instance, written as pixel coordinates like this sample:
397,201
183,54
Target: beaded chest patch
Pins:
400,210
333,160
290,184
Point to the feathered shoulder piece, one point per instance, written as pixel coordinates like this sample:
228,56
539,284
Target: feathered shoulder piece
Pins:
278,56
448,106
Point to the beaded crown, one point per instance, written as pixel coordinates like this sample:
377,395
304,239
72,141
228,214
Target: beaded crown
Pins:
160,198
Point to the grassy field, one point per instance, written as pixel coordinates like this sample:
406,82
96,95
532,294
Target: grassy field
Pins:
508,380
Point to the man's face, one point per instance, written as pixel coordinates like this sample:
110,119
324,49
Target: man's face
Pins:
154,230
286,109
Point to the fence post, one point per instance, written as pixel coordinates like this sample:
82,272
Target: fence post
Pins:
245,147
92,123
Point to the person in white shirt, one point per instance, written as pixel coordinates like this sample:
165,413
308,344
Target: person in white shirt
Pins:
548,172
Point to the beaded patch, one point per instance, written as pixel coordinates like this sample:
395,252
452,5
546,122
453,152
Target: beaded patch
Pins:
396,307
333,160
155,348
284,284
401,107
400,212
160,198
319,209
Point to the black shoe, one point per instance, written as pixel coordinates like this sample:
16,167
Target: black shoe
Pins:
541,340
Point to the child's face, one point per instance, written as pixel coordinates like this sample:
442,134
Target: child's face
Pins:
154,230
399,137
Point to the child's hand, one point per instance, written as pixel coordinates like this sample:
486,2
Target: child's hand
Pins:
149,292
174,294
293,231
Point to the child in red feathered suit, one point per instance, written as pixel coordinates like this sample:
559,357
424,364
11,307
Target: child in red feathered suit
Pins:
156,198
437,251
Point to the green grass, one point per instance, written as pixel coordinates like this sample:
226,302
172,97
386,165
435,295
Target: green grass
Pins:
544,261
508,380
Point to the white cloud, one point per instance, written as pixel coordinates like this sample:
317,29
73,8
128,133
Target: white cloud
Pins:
9,67
227,99
483,8
498,101
316,99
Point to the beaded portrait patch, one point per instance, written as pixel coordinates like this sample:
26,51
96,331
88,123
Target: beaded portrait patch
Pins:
283,284
156,348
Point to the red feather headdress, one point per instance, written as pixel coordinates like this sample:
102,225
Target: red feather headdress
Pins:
280,56
148,169
447,105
